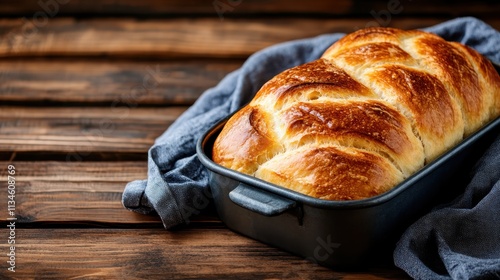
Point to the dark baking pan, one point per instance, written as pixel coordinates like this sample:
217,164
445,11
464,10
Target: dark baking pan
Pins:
345,234
340,234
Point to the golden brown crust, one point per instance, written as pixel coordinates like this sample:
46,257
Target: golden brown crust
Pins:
489,80
369,125
370,35
308,82
247,142
331,173
436,116
378,105
371,54
450,66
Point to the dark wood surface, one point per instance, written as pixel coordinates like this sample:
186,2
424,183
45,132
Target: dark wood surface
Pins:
77,119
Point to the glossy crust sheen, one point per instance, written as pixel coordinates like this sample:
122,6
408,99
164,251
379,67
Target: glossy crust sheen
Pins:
376,107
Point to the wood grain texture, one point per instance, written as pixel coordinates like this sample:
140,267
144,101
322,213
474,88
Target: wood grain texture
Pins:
180,7
208,253
82,130
246,7
177,82
176,37
74,192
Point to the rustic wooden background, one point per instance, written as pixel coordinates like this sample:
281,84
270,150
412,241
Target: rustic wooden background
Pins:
86,87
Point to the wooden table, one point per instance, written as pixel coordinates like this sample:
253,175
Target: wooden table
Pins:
86,87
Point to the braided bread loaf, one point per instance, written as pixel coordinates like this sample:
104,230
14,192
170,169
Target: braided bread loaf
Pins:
376,107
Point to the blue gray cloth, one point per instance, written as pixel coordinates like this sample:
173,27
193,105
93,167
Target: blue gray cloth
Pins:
461,241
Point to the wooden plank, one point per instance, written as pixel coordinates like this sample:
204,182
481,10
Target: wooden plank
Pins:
173,7
244,7
158,83
74,192
195,253
62,156
80,130
176,37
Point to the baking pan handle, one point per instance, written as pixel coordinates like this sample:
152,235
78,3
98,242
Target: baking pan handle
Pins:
260,201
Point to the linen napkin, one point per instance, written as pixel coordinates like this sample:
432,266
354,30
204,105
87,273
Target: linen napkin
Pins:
177,184
460,240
